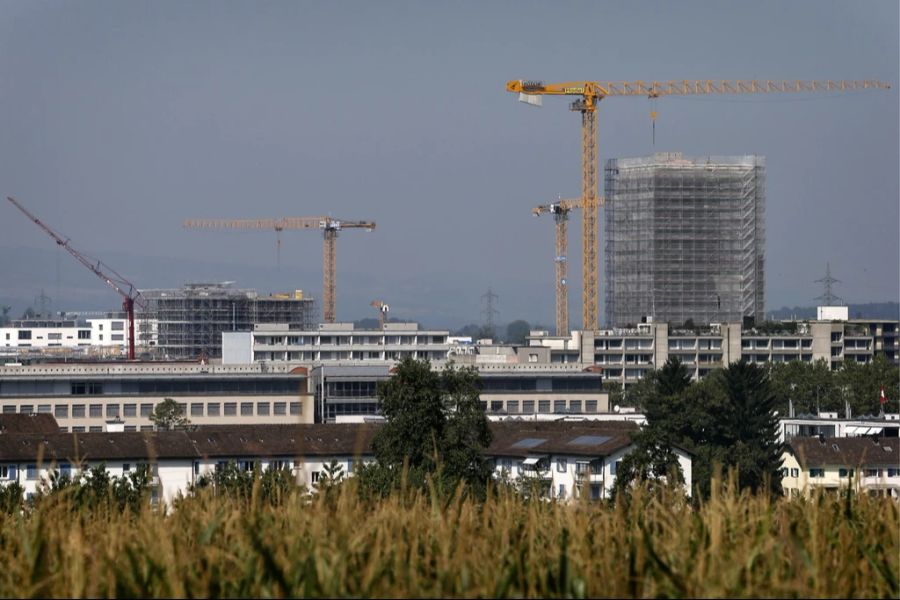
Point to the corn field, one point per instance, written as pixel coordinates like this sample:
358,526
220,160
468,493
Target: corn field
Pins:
417,545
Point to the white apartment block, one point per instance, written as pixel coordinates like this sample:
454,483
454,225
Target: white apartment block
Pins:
334,342
98,337
560,455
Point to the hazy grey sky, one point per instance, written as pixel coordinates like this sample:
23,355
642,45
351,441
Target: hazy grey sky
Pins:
120,119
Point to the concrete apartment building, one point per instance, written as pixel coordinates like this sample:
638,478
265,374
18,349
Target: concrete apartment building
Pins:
561,456
685,239
627,354
95,397
334,342
864,464
102,337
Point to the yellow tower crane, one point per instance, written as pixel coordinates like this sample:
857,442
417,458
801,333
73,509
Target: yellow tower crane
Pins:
589,93
560,211
329,226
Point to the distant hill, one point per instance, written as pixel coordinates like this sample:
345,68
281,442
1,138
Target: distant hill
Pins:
869,310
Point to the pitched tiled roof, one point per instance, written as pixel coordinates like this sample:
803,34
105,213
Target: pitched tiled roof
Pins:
24,423
581,438
585,438
850,452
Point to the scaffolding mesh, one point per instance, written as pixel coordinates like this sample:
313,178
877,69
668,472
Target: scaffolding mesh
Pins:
188,322
685,239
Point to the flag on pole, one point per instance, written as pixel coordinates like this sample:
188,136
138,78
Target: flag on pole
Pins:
881,398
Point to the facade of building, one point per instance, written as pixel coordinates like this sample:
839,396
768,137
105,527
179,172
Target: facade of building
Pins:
335,342
96,337
89,397
627,354
864,464
564,457
685,239
348,391
189,322
567,459
830,425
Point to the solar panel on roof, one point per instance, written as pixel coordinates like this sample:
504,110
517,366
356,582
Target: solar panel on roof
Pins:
589,440
529,442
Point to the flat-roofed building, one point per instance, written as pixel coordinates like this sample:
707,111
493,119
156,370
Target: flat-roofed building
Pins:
86,397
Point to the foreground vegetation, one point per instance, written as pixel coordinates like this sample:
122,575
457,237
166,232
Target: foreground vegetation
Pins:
415,544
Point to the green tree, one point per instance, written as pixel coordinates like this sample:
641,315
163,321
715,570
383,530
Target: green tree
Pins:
811,387
168,415
435,429
516,331
749,427
862,385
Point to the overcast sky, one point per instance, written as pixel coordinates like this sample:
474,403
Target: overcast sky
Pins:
118,120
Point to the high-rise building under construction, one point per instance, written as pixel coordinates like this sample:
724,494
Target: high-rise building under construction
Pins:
685,239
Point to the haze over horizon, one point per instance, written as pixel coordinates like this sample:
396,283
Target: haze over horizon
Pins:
120,120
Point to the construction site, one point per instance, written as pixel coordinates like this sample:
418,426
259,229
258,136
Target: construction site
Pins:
189,322
685,239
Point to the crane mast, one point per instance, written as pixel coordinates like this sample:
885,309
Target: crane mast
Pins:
130,294
330,228
589,93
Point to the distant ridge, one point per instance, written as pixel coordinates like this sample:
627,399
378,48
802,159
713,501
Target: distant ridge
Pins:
868,310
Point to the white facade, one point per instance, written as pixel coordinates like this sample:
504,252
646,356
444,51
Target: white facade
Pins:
101,336
337,342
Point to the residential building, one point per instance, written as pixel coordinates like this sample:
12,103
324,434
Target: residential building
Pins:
863,464
828,424
86,397
333,343
562,456
101,337
685,239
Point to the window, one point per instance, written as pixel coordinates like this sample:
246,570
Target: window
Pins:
84,334
845,472
213,409
873,472
100,328
817,472
26,409
44,409
543,406
262,409
196,409
528,407
131,428
112,411
280,408
78,411
95,429
246,409
117,337
582,467
117,326
230,409
575,406
130,410
561,464
559,406
8,409
314,477
146,409
126,467
295,408
795,472
7,472
61,411
146,427
512,406
562,491
496,405
96,411
25,334
590,406
893,472
78,429
31,472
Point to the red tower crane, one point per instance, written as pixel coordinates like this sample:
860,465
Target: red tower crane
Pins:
130,294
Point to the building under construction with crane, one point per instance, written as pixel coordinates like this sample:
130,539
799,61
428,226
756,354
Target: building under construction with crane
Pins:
685,239
189,322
